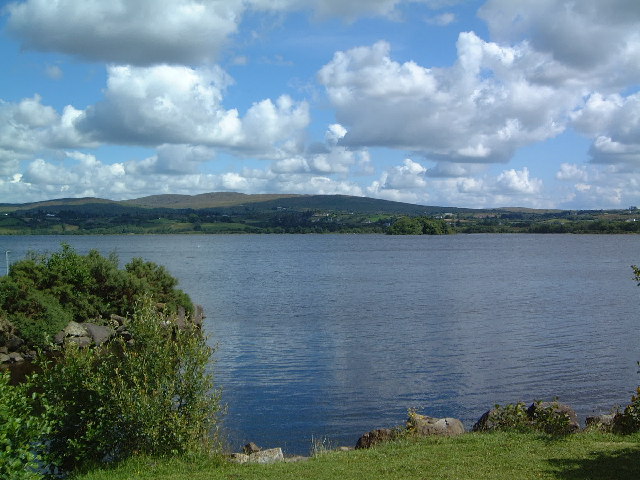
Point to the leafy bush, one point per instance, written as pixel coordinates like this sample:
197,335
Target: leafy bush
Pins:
151,396
517,417
20,430
628,421
42,293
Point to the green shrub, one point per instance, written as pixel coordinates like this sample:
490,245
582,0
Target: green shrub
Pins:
42,293
20,432
628,421
151,396
518,418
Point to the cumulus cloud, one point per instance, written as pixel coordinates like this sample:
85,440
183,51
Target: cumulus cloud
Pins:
488,106
140,32
614,123
183,105
595,40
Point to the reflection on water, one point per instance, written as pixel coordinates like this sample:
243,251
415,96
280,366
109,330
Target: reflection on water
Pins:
331,336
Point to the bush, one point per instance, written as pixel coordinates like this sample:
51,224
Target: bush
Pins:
517,417
42,293
20,431
151,396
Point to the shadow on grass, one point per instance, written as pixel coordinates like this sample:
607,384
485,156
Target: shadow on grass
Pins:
619,465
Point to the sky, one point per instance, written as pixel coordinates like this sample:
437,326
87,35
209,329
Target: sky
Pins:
462,103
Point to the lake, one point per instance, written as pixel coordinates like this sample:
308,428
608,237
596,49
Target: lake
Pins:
328,336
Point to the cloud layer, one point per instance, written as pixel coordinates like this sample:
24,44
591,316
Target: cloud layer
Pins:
450,130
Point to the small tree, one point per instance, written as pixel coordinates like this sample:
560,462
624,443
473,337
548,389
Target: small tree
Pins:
152,396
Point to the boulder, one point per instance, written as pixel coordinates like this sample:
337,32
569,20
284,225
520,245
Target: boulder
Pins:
13,342
270,455
601,422
4,350
424,425
250,448
75,329
99,333
15,357
82,342
558,408
484,423
4,358
374,437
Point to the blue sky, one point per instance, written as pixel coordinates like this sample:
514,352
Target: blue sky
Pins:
531,103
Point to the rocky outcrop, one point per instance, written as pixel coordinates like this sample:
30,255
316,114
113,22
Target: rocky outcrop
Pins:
424,425
84,334
375,437
254,454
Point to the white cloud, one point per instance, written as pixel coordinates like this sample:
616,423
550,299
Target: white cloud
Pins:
485,101
518,181
140,32
182,105
572,172
597,42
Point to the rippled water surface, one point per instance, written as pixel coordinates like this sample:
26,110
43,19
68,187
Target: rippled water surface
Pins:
329,336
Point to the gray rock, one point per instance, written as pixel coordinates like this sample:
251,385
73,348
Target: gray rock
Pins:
4,350
374,437
251,448
601,422
15,357
4,358
58,338
198,315
117,319
99,333
484,423
344,449
80,341
424,425
75,329
271,455
14,342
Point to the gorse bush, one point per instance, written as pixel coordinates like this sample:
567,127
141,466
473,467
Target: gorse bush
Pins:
21,430
518,417
42,293
151,396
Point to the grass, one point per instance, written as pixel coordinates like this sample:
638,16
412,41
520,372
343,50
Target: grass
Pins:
593,456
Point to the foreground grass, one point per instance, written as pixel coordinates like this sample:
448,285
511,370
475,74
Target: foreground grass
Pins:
510,456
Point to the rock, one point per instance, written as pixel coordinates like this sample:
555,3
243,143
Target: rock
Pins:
4,358
58,338
601,422
4,350
14,342
424,425
15,357
270,455
251,448
198,315
75,329
117,319
82,342
484,423
374,437
99,333
558,408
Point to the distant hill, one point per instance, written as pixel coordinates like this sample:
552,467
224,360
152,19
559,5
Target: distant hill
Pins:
235,201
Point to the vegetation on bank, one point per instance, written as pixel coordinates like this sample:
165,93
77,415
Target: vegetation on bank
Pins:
149,392
236,213
478,456
43,293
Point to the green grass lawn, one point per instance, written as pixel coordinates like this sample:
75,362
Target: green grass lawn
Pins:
592,456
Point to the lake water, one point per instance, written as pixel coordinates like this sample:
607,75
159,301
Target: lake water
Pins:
329,336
